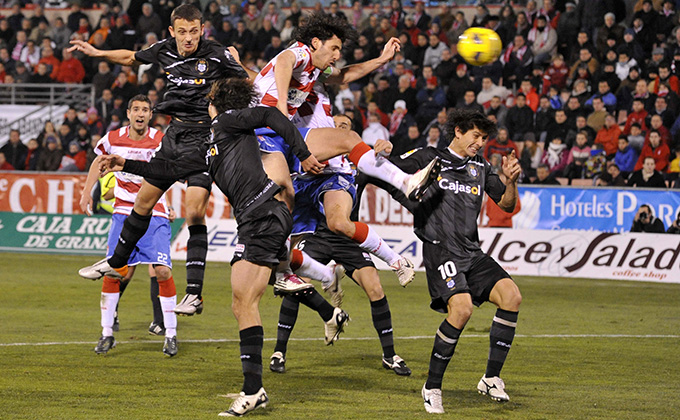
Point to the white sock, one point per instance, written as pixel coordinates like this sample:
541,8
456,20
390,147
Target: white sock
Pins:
108,307
315,270
378,247
382,169
169,316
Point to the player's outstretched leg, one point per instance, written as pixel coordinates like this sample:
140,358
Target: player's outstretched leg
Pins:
109,300
167,295
288,314
156,327
329,275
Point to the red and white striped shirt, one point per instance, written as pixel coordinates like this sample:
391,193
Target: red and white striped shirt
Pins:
118,142
301,82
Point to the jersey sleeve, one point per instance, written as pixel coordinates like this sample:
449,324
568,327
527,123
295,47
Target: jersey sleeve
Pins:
103,146
232,68
414,160
302,57
150,55
494,187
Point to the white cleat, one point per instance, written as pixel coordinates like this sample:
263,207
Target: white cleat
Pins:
189,305
405,271
494,388
245,403
333,289
419,182
290,283
432,398
335,326
98,270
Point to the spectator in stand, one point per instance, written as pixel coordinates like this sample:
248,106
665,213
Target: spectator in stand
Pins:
531,155
374,131
71,69
60,34
555,156
50,157
50,61
334,11
656,150
122,88
661,109
104,106
496,217
517,60
596,119
586,58
41,76
15,151
656,123
439,122
665,75
545,116
608,136
638,115
446,68
32,155
74,159
497,111
407,93
529,92
489,90
386,95
273,49
626,156
30,55
544,176
4,165
645,221
213,14
648,176
636,139
559,128
433,53
263,36
609,29
469,101
244,38
501,145
435,138
614,176
605,93
543,40
556,75
624,63
149,21
458,26
400,121
597,162
460,83
520,119
674,228
94,123
578,155
104,30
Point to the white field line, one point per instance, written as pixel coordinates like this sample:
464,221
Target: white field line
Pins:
344,338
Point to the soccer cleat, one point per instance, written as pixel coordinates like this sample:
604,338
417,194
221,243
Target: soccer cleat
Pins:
278,363
98,270
397,364
432,398
335,326
105,344
493,387
334,290
116,322
421,180
190,305
156,329
290,283
170,346
245,403
405,271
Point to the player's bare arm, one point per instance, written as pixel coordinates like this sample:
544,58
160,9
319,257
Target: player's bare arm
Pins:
234,53
511,169
357,71
85,194
382,147
283,72
122,57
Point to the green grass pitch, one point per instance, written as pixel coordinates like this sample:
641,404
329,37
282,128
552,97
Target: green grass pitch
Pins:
585,349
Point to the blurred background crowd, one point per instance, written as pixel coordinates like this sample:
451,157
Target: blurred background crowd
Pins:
584,92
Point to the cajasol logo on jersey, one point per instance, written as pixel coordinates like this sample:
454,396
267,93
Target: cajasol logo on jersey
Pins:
457,187
179,80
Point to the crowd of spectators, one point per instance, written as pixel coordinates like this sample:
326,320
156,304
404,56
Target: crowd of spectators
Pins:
581,91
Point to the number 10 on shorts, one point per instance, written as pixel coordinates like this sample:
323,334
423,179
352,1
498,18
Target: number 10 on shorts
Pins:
447,270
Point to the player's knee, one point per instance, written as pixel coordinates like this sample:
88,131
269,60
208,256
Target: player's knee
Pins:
513,301
374,291
461,312
340,226
352,139
163,273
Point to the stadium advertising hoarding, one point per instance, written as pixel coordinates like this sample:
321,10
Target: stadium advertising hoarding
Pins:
564,253
55,233
34,192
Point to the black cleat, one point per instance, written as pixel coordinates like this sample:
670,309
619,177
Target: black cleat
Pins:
105,344
397,364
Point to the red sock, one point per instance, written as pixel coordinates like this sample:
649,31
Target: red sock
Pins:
166,288
361,232
358,151
110,285
296,259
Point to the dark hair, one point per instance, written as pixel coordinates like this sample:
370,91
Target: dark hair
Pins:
232,93
188,12
466,120
654,131
138,98
323,26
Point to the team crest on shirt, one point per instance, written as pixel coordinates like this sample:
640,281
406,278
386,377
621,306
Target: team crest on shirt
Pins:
472,170
201,66
451,284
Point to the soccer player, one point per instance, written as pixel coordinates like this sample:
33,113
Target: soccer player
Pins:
136,141
190,64
325,245
459,274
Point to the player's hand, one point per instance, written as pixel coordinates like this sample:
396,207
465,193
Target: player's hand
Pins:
391,47
312,165
86,203
171,214
110,163
83,47
234,52
511,168
382,147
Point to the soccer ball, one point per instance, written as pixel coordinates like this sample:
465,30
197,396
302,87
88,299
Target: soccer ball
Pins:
479,46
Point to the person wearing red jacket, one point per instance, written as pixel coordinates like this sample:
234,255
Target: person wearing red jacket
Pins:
52,62
501,145
608,136
656,150
530,93
498,217
71,69
665,75
638,115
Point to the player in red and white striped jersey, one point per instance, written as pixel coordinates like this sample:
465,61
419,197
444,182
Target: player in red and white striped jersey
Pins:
138,142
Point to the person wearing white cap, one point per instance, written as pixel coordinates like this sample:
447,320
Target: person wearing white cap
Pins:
608,29
400,121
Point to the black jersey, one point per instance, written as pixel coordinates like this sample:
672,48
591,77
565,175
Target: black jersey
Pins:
234,155
447,215
189,78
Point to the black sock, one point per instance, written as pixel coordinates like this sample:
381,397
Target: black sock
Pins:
501,336
316,302
251,358
155,301
122,285
134,228
287,318
197,248
444,345
382,321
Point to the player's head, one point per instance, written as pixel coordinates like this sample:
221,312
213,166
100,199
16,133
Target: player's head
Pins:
186,26
139,113
324,34
468,130
342,121
232,93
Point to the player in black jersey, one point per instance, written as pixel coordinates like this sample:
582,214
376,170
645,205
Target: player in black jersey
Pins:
191,64
459,274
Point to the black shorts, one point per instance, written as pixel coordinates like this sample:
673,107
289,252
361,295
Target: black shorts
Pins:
448,275
324,246
262,236
185,146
